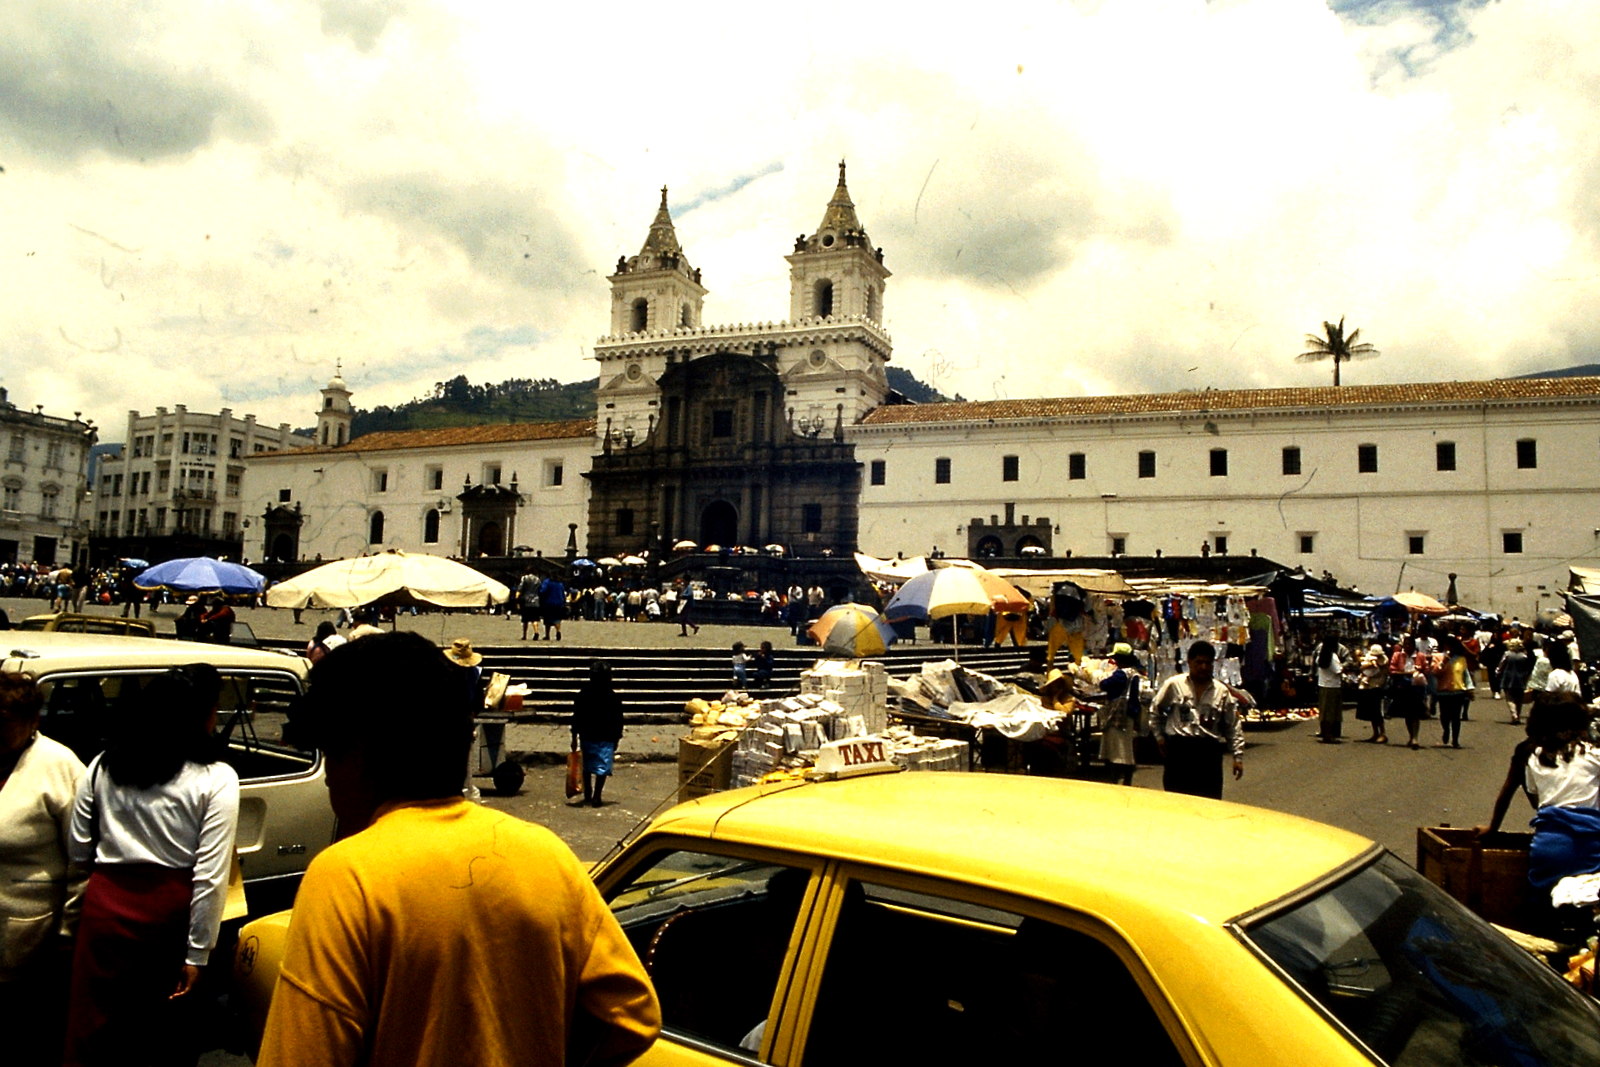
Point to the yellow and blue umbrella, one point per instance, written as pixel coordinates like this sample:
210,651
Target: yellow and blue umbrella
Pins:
853,631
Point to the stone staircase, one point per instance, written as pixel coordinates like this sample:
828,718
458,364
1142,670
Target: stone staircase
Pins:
655,683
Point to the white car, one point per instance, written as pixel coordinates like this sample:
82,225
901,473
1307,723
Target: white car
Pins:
284,814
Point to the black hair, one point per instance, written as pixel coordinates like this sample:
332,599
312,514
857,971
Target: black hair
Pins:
165,727
1325,652
325,629
396,700
1559,655
1563,717
1204,649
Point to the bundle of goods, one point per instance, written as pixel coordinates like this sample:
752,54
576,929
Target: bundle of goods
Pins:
721,720
1278,715
940,685
860,688
787,734
916,753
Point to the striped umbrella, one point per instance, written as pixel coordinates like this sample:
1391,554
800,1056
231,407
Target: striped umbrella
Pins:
852,631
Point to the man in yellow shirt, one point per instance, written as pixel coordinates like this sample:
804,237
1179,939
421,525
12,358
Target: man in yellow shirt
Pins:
442,932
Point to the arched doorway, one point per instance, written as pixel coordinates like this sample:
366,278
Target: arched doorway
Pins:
283,548
490,540
719,524
988,547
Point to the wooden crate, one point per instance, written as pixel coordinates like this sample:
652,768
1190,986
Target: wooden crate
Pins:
1489,876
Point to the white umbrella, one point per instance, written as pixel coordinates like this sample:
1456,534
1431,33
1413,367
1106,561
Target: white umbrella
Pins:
392,578
634,561
609,561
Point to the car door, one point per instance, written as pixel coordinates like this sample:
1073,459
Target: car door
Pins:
720,929
914,970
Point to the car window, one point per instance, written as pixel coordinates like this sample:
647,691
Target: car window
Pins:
713,931
1421,981
952,981
79,710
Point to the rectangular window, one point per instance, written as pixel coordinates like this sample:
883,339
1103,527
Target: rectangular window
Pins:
1367,459
234,479
491,474
1147,464
1527,455
879,471
161,520
283,496
52,455
434,478
380,481
18,445
1444,456
624,522
811,518
1291,460
1219,544
1008,468
554,472
1308,543
13,498
163,480
1416,543
941,470
228,521
1075,466
722,422
1219,463
235,447
1119,544
1511,542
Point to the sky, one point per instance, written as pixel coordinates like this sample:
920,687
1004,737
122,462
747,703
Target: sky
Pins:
217,205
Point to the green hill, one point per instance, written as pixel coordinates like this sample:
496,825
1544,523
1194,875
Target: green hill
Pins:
458,402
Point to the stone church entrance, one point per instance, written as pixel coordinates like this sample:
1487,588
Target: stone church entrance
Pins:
719,525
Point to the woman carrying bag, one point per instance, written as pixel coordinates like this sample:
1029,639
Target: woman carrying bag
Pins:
155,815
596,729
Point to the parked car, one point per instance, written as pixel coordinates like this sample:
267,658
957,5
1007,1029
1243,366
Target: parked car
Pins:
74,623
961,918
284,814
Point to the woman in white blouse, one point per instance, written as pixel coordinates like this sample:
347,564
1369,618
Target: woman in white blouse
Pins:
156,816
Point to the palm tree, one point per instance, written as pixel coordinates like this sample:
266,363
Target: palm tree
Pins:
1335,346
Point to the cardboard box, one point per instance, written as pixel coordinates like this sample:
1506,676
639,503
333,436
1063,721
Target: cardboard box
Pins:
1492,880
704,767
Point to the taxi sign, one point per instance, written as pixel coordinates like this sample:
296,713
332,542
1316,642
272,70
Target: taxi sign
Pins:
852,756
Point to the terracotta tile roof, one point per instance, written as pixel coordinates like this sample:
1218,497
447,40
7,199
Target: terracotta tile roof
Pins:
445,436
1416,393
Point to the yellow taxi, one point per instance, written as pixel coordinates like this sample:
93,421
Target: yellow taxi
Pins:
964,918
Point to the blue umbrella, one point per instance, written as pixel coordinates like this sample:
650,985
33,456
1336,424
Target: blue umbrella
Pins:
200,574
584,561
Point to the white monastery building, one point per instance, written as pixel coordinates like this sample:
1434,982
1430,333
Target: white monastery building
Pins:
788,433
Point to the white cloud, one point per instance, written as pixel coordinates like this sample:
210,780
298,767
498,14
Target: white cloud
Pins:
213,209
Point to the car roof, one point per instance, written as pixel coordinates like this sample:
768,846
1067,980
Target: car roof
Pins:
38,651
1107,849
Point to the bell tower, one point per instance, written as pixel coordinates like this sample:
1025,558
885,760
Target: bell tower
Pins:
333,420
836,273
656,290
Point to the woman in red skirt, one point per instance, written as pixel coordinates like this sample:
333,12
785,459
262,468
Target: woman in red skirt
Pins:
155,815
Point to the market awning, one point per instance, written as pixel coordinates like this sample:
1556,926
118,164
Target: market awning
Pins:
1583,579
891,570
1037,583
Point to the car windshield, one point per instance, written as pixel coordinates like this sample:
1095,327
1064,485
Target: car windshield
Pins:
1420,980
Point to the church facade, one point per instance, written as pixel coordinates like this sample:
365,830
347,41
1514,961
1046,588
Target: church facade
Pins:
787,433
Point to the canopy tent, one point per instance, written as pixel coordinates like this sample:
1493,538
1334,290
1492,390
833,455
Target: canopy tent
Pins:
1584,609
1583,579
1037,583
891,570
392,578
